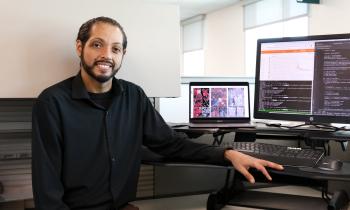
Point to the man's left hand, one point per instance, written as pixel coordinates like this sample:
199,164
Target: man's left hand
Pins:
243,162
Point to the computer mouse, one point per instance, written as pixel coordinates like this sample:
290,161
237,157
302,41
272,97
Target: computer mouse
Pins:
330,164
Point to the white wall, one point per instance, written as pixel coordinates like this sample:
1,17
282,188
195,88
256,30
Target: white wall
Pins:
329,17
38,38
176,110
224,42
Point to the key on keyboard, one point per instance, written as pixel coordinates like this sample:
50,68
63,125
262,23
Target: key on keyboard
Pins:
284,155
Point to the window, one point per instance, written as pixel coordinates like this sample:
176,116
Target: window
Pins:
193,63
269,19
192,46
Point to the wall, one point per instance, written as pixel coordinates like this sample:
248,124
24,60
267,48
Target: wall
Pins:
329,17
38,43
224,42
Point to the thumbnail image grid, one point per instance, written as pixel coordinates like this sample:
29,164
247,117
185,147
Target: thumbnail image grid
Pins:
218,102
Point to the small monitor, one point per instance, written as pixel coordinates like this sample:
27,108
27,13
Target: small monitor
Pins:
303,79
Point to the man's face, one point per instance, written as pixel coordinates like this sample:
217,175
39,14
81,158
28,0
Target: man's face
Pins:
102,55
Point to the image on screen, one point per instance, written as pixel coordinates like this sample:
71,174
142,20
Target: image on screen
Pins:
305,78
219,102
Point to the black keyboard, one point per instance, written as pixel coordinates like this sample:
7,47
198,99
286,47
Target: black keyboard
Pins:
284,155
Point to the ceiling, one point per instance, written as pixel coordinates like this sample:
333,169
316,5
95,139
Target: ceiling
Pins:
190,8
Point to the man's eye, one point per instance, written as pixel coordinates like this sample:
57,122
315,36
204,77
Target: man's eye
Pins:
116,50
96,45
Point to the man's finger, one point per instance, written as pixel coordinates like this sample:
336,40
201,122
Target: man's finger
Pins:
273,165
245,173
263,170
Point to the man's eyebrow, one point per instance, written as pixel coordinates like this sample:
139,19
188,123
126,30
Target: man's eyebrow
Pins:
118,43
97,39
101,40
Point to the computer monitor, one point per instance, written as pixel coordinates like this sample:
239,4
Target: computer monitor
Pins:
303,79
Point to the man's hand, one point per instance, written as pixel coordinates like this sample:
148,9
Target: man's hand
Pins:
243,162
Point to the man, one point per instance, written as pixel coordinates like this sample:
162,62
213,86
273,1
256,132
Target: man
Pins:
88,131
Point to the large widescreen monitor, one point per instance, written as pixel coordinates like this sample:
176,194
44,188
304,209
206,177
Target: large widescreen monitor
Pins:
303,79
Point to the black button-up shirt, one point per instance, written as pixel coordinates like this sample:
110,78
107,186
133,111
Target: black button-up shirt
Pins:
88,157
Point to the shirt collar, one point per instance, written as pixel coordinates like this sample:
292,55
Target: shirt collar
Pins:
79,91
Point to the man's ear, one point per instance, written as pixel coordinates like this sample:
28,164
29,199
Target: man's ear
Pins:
124,51
79,47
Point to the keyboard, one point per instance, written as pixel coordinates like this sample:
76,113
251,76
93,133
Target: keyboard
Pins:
284,155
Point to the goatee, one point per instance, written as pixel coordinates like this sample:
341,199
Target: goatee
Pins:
102,78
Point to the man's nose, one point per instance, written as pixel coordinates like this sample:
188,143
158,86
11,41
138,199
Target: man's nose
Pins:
106,53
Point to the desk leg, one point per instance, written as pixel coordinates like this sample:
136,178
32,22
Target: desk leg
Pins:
1,188
218,139
214,201
340,200
217,200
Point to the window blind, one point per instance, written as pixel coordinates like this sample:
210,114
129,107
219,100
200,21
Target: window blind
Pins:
264,12
192,33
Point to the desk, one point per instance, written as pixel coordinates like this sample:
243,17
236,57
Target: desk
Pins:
236,193
269,132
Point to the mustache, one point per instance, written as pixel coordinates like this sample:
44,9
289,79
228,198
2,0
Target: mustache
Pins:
108,61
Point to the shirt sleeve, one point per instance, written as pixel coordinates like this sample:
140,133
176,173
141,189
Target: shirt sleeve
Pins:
160,138
48,190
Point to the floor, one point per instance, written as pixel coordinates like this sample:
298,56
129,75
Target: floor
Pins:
198,202
194,202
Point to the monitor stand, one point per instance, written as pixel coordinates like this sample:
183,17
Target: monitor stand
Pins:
315,127
309,126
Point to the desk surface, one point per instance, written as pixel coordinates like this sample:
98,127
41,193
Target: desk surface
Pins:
313,134
305,172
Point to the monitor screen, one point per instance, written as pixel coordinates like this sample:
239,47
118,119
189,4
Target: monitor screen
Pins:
219,100
303,79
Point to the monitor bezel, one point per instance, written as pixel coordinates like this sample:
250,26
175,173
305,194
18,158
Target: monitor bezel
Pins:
310,119
218,119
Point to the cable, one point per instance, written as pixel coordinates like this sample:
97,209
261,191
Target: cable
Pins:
325,149
277,125
319,126
325,193
329,148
